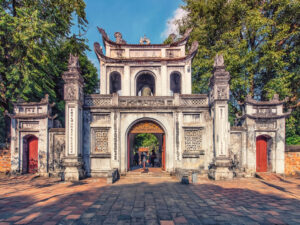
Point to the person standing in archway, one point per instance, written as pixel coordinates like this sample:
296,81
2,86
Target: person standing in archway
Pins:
153,157
144,159
136,159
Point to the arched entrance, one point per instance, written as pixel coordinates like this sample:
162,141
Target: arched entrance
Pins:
30,154
262,153
146,127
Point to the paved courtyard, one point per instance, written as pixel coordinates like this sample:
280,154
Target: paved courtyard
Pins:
35,200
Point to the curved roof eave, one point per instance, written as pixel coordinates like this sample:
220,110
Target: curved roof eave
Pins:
180,42
101,56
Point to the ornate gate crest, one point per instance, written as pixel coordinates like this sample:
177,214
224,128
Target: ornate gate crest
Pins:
146,127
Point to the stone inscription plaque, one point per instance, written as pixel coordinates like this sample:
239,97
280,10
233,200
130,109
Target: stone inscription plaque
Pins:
265,125
71,131
193,139
29,124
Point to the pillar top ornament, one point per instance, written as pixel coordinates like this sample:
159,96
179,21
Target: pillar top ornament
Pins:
73,72
73,63
219,61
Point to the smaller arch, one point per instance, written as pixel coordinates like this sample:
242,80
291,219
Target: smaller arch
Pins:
115,85
145,83
175,82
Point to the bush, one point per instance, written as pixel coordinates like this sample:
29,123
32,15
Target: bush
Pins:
294,140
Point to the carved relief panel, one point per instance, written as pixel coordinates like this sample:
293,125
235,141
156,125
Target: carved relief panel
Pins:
173,53
117,53
101,117
221,92
192,139
265,124
70,92
100,140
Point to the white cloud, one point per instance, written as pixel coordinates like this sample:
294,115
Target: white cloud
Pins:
172,23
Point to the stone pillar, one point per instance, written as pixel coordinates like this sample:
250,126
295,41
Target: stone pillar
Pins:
219,96
73,96
103,89
126,81
164,91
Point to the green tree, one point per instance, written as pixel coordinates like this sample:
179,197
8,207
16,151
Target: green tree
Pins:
145,140
35,43
259,40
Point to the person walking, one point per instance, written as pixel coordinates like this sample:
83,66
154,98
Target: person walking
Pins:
144,159
153,157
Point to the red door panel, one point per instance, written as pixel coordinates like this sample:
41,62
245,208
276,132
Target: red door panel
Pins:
261,154
163,158
128,152
32,155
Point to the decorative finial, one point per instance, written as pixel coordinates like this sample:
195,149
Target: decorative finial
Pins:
219,61
172,37
275,97
73,61
119,39
45,99
144,40
249,97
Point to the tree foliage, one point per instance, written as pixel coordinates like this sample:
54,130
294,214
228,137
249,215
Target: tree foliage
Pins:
145,140
35,43
259,40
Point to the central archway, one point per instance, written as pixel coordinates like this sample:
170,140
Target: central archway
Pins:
146,127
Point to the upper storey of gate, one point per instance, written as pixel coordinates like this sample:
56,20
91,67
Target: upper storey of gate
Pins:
145,69
119,51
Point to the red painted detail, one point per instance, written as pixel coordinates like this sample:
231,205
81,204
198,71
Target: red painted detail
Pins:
128,152
163,158
32,155
261,154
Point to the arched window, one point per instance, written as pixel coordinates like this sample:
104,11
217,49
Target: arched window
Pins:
115,83
175,82
145,85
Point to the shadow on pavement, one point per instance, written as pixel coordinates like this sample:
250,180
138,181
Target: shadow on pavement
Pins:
91,202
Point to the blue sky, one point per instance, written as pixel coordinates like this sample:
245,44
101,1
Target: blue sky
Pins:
133,18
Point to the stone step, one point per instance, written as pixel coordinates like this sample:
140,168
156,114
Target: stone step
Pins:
269,176
147,174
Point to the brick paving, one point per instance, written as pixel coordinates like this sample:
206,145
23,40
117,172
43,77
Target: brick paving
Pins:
33,200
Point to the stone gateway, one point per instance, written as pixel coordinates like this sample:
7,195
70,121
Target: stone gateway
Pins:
147,88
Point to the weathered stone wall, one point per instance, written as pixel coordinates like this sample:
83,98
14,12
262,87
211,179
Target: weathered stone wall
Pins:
4,160
56,150
292,160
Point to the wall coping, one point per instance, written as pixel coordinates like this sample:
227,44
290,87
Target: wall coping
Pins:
292,148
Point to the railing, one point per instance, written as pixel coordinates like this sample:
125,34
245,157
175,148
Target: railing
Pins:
149,101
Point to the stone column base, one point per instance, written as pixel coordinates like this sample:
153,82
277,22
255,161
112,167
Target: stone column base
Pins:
73,169
220,169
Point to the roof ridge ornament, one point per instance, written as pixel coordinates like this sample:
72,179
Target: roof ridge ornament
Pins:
172,37
144,40
187,33
119,39
194,47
